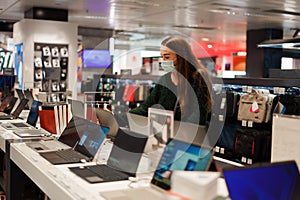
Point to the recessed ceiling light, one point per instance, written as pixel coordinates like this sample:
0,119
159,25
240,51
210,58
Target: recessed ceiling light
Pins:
209,46
205,39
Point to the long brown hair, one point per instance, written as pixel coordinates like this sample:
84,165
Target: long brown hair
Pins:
192,71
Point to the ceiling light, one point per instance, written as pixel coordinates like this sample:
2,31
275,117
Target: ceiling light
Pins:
209,46
293,43
205,39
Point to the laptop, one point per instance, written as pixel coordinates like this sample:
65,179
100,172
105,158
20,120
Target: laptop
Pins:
31,119
262,181
16,113
20,93
68,138
193,133
161,124
89,141
21,96
8,104
29,96
138,123
122,163
177,155
77,107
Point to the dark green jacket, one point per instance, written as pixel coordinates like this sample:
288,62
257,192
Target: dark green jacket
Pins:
164,96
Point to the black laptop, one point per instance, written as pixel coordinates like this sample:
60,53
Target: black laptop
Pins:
20,94
122,163
29,96
31,119
8,104
90,137
16,113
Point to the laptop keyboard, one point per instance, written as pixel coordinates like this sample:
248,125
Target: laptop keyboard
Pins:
107,173
71,155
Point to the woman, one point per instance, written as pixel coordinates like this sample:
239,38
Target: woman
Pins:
186,88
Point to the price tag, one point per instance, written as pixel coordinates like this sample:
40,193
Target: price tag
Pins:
221,118
250,123
222,106
244,159
244,123
249,89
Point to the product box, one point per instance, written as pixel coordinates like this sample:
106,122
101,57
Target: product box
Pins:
195,184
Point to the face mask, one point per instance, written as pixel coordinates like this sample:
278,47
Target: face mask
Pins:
167,65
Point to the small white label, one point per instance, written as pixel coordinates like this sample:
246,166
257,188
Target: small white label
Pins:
222,106
249,161
221,118
276,90
250,123
222,150
244,159
244,123
281,90
249,89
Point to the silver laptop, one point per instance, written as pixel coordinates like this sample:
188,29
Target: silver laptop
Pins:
190,132
138,123
177,155
28,133
77,108
69,137
31,119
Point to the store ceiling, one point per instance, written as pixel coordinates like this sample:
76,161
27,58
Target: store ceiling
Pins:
220,22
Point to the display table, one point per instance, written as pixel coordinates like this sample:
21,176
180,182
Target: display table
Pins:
58,182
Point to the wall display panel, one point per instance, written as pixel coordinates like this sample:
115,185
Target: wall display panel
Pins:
51,66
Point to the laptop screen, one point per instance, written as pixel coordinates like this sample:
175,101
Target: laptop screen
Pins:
91,139
29,96
161,124
33,113
179,155
127,151
72,133
20,107
5,103
263,181
10,105
20,93
77,108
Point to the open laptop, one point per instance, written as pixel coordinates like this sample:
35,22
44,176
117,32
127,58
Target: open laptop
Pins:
31,119
122,163
29,96
77,107
138,123
262,181
193,133
68,138
177,155
16,113
21,96
161,124
20,93
89,141
8,104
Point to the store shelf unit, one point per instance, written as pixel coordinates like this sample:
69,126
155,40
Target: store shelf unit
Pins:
227,143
